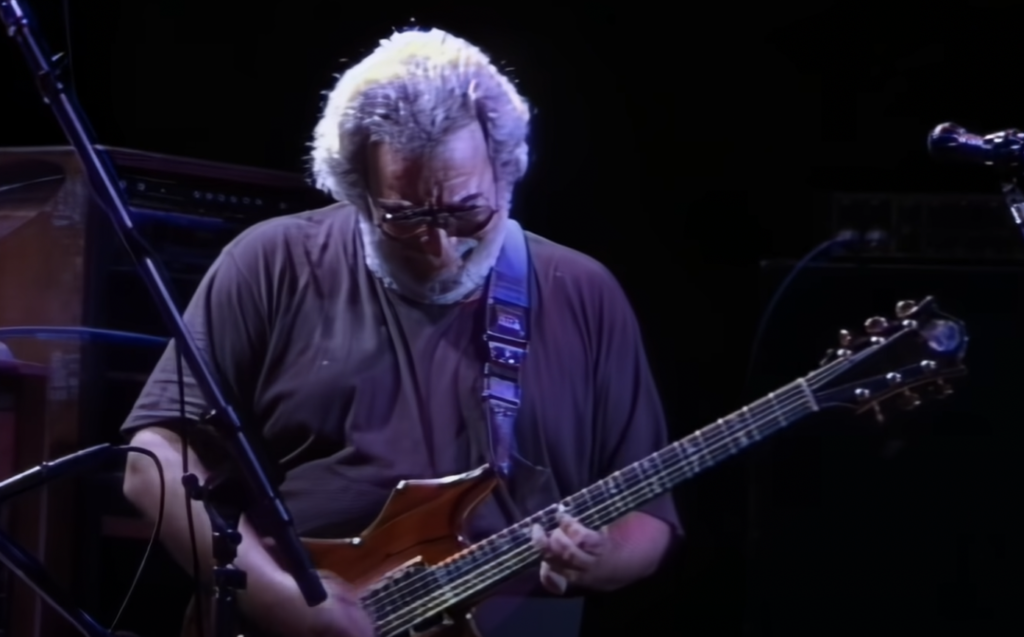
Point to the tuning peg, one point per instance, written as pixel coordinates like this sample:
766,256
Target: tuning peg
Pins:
845,338
876,325
905,308
910,400
879,416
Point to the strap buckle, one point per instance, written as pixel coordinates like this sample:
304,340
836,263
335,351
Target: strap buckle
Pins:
504,390
507,321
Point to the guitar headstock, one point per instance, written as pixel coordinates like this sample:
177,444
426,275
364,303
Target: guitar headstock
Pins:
896,362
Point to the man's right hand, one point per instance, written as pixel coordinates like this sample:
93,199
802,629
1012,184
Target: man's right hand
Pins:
271,599
281,610
341,615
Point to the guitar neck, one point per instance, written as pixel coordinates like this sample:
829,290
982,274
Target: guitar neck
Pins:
502,555
608,500
478,568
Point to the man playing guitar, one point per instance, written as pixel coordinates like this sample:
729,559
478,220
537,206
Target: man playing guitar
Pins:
369,340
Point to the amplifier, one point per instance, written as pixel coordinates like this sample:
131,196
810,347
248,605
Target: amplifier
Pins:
62,264
898,527
930,226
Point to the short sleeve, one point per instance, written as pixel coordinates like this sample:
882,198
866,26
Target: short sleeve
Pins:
227,321
631,421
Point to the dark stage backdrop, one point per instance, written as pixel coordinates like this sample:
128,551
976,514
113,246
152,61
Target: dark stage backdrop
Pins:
906,528
677,146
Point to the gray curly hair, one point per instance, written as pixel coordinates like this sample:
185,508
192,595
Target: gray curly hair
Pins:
414,89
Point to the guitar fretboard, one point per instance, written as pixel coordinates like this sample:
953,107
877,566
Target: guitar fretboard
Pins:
510,551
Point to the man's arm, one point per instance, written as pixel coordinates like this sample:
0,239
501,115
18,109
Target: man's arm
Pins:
268,586
229,321
271,599
637,544
630,426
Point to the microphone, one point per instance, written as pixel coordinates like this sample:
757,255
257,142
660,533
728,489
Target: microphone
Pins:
54,469
1003,150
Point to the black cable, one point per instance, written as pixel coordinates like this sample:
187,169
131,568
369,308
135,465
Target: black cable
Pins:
184,430
188,496
769,310
152,538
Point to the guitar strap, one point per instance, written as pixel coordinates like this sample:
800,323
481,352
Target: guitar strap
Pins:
507,336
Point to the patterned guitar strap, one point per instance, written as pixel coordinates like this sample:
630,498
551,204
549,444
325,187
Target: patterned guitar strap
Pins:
507,336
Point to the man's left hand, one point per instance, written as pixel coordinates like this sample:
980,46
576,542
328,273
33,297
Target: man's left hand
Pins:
569,552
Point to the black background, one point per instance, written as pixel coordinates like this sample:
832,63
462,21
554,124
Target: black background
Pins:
680,145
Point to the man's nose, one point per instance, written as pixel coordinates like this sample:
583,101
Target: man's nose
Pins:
434,241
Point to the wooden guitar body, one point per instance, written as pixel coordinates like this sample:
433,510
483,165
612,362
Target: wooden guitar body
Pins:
420,524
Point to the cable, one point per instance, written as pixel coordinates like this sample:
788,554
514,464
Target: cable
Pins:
840,241
845,239
83,334
199,616
152,538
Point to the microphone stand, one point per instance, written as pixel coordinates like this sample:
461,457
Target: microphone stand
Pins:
267,510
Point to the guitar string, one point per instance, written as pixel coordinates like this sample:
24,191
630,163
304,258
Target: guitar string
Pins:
513,560
784,408
771,402
807,384
722,440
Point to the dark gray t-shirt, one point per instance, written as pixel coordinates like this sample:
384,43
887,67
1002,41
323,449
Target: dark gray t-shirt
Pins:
354,388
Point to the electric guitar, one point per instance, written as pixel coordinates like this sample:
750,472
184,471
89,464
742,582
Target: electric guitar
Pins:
417,578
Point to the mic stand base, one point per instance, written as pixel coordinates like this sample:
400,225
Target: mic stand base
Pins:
227,580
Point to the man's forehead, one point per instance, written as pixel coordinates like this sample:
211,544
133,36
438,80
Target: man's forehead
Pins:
443,165
467,142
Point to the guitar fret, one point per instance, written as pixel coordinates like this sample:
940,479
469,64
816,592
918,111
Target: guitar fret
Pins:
510,550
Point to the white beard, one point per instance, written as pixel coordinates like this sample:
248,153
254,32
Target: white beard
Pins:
476,258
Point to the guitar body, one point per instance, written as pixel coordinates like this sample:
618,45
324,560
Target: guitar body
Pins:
421,523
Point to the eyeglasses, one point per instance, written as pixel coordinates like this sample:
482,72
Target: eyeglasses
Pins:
403,221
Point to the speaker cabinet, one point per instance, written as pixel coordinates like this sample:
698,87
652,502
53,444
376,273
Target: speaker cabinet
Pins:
906,526
62,265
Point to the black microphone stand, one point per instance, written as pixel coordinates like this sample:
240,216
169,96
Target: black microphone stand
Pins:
267,511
